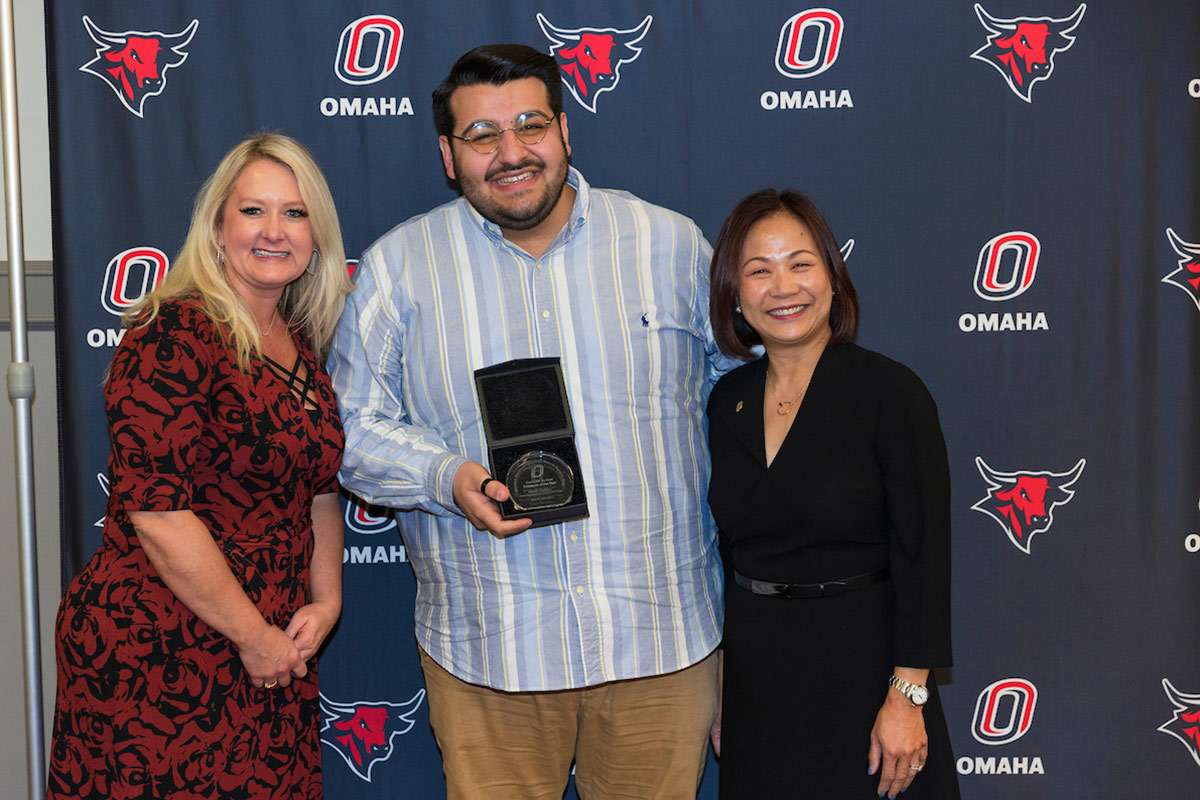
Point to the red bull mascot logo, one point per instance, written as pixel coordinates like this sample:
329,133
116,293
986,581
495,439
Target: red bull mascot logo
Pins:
1187,275
135,63
591,58
1184,725
1022,49
1023,502
362,732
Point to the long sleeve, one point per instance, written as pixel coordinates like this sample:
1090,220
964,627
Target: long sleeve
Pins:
916,476
388,460
620,298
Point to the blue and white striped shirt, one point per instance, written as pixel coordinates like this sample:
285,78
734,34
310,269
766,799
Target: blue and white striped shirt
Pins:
621,296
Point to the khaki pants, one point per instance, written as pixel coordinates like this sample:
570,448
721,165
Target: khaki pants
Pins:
641,739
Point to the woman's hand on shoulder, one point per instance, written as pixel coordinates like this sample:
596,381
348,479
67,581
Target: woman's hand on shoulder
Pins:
272,657
899,745
310,625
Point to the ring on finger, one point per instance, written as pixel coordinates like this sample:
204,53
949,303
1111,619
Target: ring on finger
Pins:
270,685
916,767
483,486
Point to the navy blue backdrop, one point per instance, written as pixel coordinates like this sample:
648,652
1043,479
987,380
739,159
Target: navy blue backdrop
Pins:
1019,178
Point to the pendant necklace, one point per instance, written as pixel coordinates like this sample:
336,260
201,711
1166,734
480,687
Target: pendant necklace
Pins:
271,327
784,407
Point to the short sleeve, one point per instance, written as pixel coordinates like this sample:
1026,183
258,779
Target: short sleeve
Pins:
157,398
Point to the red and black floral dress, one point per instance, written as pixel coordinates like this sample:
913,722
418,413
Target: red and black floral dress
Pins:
151,701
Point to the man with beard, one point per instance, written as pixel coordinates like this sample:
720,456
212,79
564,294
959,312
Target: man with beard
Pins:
589,640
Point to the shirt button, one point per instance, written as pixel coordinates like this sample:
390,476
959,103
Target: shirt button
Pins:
545,315
578,590
574,537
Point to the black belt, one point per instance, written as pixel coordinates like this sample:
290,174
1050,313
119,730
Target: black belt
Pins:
826,589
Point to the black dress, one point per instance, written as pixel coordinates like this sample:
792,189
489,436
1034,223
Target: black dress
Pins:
860,483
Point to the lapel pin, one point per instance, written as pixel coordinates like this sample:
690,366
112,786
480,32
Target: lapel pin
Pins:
738,407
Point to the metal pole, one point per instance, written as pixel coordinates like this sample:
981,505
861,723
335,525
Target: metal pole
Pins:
20,392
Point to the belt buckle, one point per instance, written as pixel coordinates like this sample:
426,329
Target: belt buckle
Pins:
799,591
767,588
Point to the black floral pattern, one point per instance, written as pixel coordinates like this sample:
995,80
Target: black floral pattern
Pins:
151,702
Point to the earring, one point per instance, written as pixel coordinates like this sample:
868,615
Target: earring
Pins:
313,263
220,257
738,308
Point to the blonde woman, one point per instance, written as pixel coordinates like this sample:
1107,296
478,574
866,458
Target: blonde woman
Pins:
185,647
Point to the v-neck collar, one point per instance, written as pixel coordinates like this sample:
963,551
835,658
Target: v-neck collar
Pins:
746,415
745,412
281,383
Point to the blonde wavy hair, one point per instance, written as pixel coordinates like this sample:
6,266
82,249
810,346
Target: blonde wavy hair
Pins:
312,302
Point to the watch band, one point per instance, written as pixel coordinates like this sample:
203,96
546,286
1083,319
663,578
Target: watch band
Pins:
917,694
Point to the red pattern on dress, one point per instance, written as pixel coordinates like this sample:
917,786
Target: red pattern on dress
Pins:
151,701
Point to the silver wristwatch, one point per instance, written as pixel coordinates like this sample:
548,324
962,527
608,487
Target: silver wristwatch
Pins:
917,695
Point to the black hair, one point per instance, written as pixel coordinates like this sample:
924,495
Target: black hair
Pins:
496,64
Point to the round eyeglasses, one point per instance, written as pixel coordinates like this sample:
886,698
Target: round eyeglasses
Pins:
484,137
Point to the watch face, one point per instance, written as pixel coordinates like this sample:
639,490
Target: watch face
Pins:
919,695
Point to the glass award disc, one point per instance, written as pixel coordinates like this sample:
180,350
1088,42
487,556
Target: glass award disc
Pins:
540,480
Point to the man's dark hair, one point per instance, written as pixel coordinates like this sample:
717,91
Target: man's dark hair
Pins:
496,64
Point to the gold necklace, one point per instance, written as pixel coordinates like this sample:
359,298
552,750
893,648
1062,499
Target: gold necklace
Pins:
271,327
784,407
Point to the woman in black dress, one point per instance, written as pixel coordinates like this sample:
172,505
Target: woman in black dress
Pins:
831,489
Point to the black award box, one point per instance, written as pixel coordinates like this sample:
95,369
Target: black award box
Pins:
531,440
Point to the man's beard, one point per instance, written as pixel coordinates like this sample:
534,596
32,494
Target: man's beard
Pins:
526,213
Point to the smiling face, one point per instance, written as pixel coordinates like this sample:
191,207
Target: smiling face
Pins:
785,292
264,231
518,186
